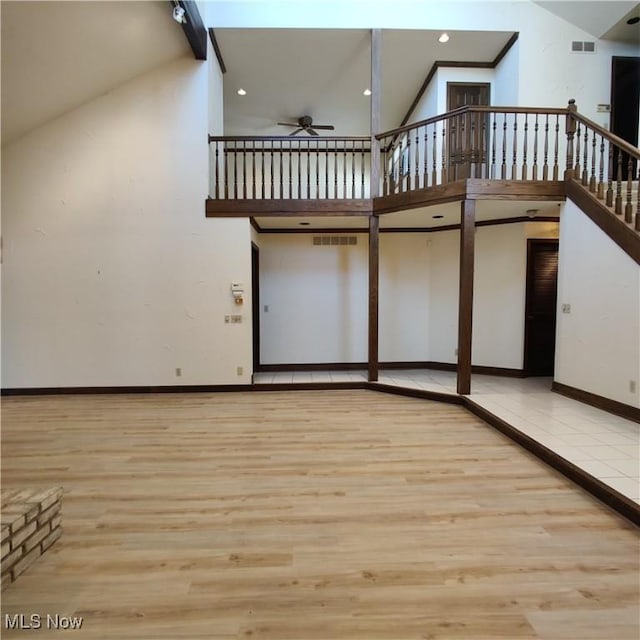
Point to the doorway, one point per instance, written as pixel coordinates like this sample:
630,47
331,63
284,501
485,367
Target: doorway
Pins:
255,307
467,139
625,103
540,307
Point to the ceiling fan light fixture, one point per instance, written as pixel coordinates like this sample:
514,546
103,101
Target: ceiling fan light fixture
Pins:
241,92
366,92
444,37
179,14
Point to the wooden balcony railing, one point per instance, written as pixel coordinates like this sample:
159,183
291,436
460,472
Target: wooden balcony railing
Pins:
607,166
270,167
496,143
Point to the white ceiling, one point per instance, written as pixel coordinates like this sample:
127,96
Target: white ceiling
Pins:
58,55
418,218
288,73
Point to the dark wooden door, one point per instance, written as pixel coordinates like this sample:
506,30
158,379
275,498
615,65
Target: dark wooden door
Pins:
255,309
468,132
625,103
540,308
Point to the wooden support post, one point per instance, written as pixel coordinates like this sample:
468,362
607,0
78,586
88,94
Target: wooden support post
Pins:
374,266
570,129
465,300
374,188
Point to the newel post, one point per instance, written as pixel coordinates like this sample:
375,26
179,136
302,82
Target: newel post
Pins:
570,130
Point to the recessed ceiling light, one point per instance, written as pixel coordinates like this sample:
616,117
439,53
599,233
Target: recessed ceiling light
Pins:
444,38
366,92
633,20
242,92
437,217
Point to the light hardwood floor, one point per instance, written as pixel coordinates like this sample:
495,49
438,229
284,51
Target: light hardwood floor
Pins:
322,515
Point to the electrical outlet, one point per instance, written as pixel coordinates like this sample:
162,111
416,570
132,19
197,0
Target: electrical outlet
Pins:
236,319
178,372
633,386
239,370
566,308
266,308
227,319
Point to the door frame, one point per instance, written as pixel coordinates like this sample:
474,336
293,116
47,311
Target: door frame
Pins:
255,304
531,242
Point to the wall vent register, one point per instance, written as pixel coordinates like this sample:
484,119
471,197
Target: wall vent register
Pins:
583,47
326,241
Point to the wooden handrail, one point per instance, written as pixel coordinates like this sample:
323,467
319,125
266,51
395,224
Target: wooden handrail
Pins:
619,142
290,139
471,109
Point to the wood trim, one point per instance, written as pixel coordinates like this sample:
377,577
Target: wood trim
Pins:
217,51
503,372
606,404
312,366
307,386
507,47
627,239
439,194
374,277
449,398
465,296
301,141
286,208
606,494
253,222
317,230
194,29
455,64
477,189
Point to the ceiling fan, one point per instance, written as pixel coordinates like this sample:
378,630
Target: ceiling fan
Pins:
305,123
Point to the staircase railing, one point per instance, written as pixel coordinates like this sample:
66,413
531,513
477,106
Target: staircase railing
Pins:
495,143
272,167
605,165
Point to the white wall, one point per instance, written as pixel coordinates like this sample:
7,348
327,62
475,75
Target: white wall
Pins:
598,343
112,275
317,298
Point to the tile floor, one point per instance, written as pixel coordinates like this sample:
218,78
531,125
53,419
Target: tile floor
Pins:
604,445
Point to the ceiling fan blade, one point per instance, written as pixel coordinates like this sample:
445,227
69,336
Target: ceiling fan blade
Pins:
311,132
288,124
327,127
293,133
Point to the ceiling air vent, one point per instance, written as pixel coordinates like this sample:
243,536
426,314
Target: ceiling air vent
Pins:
580,46
327,241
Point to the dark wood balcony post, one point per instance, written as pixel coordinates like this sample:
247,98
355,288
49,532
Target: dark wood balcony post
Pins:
570,127
374,224
465,299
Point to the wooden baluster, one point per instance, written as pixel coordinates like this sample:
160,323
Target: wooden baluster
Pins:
600,191
326,169
503,172
408,167
353,168
628,207
443,153
308,169
253,170
362,164
514,166
434,168
484,157
385,168
262,175
244,169
344,169
545,149
299,161
225,153
290,170
618,206
609,195
492,171
525,170
556,168
335,168
570,130
416,182
217,191
318,169
534,174
585,163
592,179
425,153
472,148
235,172
576,171
280,170
271,163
